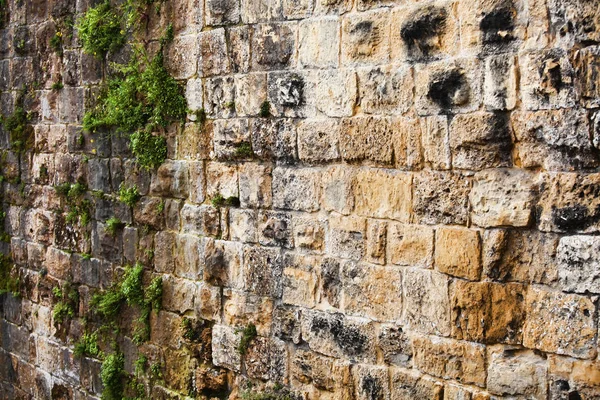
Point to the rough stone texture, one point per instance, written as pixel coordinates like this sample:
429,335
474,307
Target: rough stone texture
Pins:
415,217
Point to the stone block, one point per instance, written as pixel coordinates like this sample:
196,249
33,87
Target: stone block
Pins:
242,225
273,46
219,98
441,197
188,257
324,373
275,229
426,302
376,242
295,9
171,180
224,348
262,10
449,359
255,185
292,94
372,291
230,135
458,252
548,313
444,87
382,193
300,281
263,269
371,382
579,264
239,48
197,185
337,189
221,179
207,301
480,140
164,249
223,263
338,336
296,189
367,139
347,237
182,55
395,345
516,372
410,245
222,12
554,140
385,89
335,7
500,83
365,38
502,197
267,359
146,212
274,139
200,220
241,309
178,294
213,48
250,94
409,384
318,140
587,67
309,234
319,42
572,377
336,92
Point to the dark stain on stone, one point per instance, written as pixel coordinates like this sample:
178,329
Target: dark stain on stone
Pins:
449,88
574,395
330,275
423,26
372,388
574,218
562,385
60,392
291,92
497,25
348,338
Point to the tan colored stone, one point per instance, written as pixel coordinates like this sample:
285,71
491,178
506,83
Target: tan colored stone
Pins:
578,264
500,85
410,245
241,309
318,140
441,197
296,189
365,38
309,234
385,89
376,241
250,93
370,382
319,41
435,142
224,348
518,372
347,237
458,252
300,282
383,194
408,384
323,372
367,139
255,185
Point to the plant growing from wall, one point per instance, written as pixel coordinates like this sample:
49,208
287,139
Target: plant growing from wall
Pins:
129,195
113,376
248,335
67,302
100,30
18,125
9,279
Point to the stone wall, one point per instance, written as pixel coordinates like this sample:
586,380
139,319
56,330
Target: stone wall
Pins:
400,197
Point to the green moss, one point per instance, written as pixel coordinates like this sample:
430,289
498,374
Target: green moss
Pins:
129,195
244,150
149,150
141,364
200,116
57,85
67,302
154,292
219,201
19,127
113,224
9,278
56,43
274,395
87,345
108,303
100,30
265,109
132,285
248,335
113,376
160,207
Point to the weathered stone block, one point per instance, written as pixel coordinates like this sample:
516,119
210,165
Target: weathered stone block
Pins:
372,291
441,197
255,185
451,359
300,281
292,94
547,315
336,92
517,372
365,38
426,302
171,180
207,301
500,83
223,263
200,220
250,94
319,42
182,56
371,382
579,264
221,179
367,138
178,294
230,135
322,372
224,348
262,271
296,189
395,344
309,234
318,140
219,98
241,309
335,7
376,241
385,89
295,9
347,236
275,229
267,359
337,189
410,245
188,256
458,252
410,384
273,46
501,197
242,225
213,48
261,10
274,138
222,12
383,194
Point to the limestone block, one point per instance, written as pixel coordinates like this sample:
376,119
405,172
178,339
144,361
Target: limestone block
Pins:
146,212
292,94
242,225
213,50
395,345
182,56
200,220
318,140
579,264
178,294
386,89
347,236
424,32
171,180
572,377
337,189
367,138
546,80
522,256
450,359
480,140
319,42
382,193
335,7
250,93
296,189
188,256
458,252
410,384
239,48
105,244
219,97
58,263
163,326
300,280
500,83
261,10
410,245
207,301
221,179
568,203
255,185
222,12
262,271
274,138
70,105
241,309
267,359
338,336
372,291
554,140
194,142
587,67
223,263
273,46
322,372
309,234
163,251
275,229
229,136
426,302
448,86
197,183
336,92
365,38
376,241
548,313
574,20
441,197
224,348
501,197
286,324
371,382
516,372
